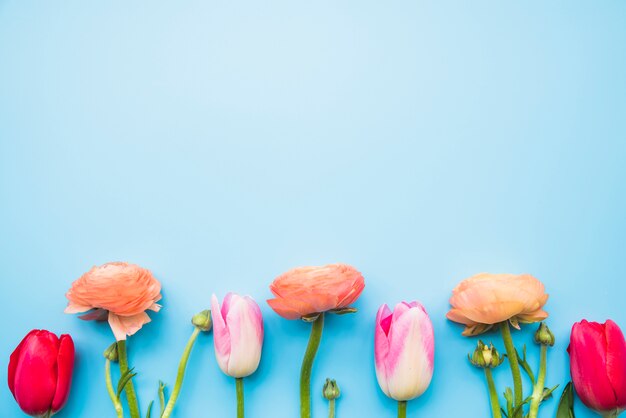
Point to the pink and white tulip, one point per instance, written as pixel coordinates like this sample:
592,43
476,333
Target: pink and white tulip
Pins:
404,350
237,334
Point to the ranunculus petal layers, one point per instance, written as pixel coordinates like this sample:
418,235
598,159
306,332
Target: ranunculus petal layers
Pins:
484,300
309,290
119,292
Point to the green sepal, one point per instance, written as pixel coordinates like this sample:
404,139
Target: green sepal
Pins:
343,311
311,317
149,410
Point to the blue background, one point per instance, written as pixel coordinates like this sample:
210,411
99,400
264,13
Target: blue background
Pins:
220,144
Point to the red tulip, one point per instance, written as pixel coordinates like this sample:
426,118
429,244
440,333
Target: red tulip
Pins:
598,366
40,372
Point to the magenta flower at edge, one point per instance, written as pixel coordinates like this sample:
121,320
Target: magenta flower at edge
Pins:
40,372
404,350
598,366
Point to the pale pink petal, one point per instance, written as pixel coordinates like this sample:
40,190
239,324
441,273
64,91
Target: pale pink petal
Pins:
381,346
246,333
221,335
123,326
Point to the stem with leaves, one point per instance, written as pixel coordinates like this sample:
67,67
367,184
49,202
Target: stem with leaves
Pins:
538,390
515,368
182,365
119,410
131,396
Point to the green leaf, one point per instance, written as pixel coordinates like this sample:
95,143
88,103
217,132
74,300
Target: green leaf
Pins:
566,404
124,379
162,396
508,395
149,409
518,409
522,361
547,393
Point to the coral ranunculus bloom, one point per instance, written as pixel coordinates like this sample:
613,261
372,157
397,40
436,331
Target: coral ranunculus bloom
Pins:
40,372
598,366
119,292
309,290
484,300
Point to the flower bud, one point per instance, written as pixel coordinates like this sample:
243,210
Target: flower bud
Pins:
486,356
202,320
331,390
111,353
544,336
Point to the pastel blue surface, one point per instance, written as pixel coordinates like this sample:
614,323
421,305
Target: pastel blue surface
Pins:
220,144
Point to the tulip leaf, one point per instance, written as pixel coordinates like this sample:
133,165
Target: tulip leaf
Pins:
162,396
522,362
149,410
124,379
566,404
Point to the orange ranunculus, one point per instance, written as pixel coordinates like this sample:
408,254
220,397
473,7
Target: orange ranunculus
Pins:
309,290
119,292
486,299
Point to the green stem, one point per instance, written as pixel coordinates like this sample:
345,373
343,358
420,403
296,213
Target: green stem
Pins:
131,397
119,411
182,365
512,356
493,395
239,386
612,414
331,408
307,364
401,409
541,380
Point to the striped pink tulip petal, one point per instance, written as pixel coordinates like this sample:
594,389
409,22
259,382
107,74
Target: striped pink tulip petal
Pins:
404,350
237,334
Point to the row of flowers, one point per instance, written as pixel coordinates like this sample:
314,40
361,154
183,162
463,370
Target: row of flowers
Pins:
40,369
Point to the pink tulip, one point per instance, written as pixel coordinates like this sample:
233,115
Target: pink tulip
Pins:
598,366
404,350
237,334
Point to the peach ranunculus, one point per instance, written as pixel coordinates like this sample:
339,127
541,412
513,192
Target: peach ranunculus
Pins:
119,292
306,291
484,300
